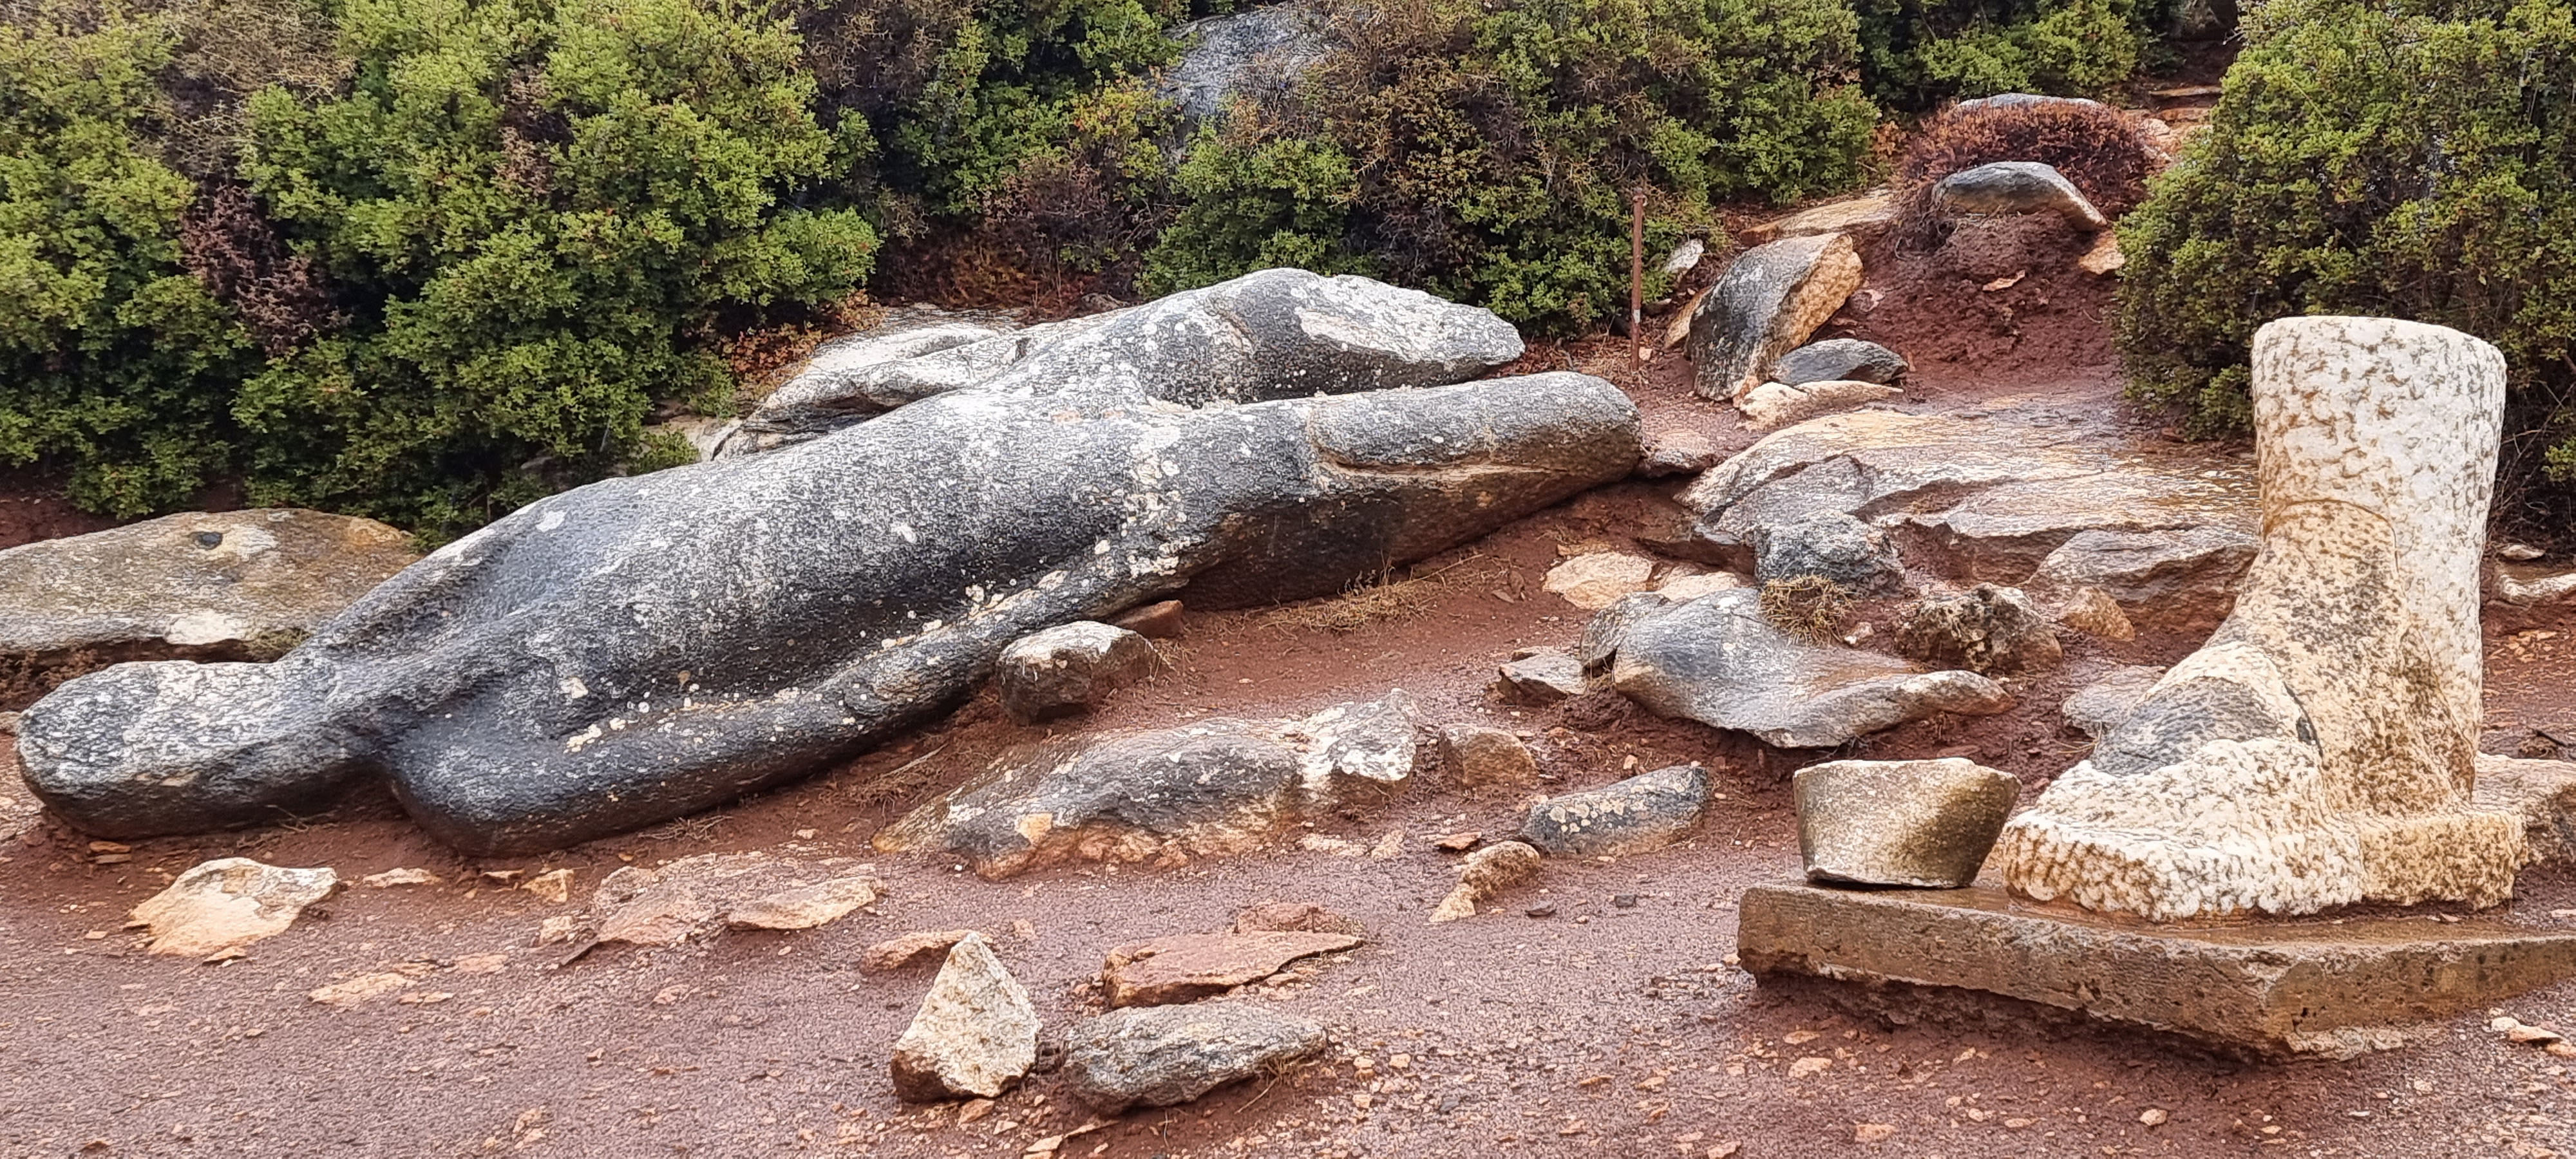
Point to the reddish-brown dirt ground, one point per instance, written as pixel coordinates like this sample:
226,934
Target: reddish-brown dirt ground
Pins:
1614,1025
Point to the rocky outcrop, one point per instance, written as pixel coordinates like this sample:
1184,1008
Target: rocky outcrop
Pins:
2017,187
975,1035
1925,824
2180,580
233,585
1167,795
1640,814
1163,1056
1765,305
1716,660
215,908
1839,360
643,647
1068,668
1256,53
1987,629
1773,405
1981,496
2319,750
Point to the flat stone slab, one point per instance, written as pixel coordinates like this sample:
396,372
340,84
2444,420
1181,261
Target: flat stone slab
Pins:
2297,988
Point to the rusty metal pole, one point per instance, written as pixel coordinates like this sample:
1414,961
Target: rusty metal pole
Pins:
1637,280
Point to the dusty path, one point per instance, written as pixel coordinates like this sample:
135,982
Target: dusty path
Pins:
1612,1025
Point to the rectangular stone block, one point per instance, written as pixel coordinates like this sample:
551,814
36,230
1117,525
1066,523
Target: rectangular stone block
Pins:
2272,988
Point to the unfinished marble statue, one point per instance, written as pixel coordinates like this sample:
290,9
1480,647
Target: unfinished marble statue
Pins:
2318,750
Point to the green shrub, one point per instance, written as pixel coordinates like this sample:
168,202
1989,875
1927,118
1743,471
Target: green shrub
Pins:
1486,151
1916,53
534,214
113,361
2409,158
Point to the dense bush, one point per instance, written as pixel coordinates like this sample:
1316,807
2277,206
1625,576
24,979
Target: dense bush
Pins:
2412,158
1486,151
2097,147
1917,52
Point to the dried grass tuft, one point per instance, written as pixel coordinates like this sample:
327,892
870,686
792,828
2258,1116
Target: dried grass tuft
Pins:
1381,599
1809,607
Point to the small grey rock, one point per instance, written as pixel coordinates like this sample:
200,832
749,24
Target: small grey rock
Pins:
1161,1056
1068,668
2099,707
1839,359
2018,187
1832,545
1927,824
1645,812
1671,453
1989,629
1543,678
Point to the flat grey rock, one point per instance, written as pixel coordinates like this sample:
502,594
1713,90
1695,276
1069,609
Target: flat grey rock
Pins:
2017,187
1927,824
1716,660
1839,360
645,647
1542,678
1642,813
1162,1056
2177,579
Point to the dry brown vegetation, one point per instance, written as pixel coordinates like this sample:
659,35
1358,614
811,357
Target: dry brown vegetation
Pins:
2097,147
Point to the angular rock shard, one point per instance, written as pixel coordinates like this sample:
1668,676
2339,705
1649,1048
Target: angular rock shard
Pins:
1642,813
1161,1056
1928,824
1215,787
975,1035
1486,872
2320,749
1187,967
1716,660
643,647
1765,305
1068,668
1839,360
223,905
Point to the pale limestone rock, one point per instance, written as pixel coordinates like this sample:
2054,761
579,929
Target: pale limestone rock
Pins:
806,906
220,906
2514,590
1484,873
2092,611
1594,580
1765,305
1774,405
2320,749
1479,755
2542,793
975,1035
1861,218
1926,824
2104,259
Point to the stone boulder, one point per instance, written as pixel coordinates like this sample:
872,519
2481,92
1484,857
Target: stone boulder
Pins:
643,647
1988,629
1839,360
1925,824
1640,814
1718,661
1068,668
1161,1056
2099,707
1773,405
2320,749
233,585
1829,545
1209,788
2542,794
1765,305
2017,187
1188,967
2179,580
975,1035
1255,54
1979,496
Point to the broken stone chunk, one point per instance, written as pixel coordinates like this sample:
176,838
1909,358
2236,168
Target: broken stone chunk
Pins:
1927,824
806,906
1191,966
1644,812
1483,874
1773,405
975,1035
1478,756
2018,187
896,953
1593,581
1829,545
1541,678
220,906
1839,360
1167,1055
1987,630
1069,668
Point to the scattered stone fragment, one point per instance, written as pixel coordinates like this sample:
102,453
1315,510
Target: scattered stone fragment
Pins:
1167,1055
1839,360
1860,218
673,903
896,953
660,915
2179,580
1591,581
1459,842
1480,755
1872,1132
1295,917
2518,552
365,986
2017,187
557,930
2104,258
228,903
806,906
1484,873
1214,787
975,1035
2540,792
2093,612
393,877
1773,405
1541,678
2153,1116
1160,620
1185,967
1644,812
1719,661
1830,545
1677,452
2100,706
1765,305
1069,668
554,885
2530,1035
1988,629
1927,824
2519,591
